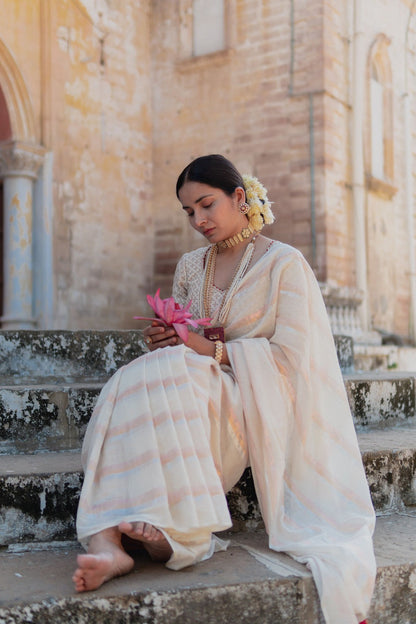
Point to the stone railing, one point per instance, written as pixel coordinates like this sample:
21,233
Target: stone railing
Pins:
342,304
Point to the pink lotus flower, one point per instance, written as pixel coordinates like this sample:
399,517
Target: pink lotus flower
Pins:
172,314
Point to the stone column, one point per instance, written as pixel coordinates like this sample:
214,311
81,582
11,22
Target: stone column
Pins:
19,165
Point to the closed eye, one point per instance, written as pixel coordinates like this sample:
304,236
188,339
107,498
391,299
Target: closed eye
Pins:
191,213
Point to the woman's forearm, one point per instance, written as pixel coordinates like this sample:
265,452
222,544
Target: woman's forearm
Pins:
203,346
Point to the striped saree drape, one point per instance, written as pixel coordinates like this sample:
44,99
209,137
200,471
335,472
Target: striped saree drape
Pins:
173,431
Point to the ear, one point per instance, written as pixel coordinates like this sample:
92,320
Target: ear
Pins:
240,195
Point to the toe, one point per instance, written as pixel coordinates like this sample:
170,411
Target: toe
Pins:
155,534
139,528
125,527
147,531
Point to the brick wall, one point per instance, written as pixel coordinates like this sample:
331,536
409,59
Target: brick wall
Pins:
260,104
238,103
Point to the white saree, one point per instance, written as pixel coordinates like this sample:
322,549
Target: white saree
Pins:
173,431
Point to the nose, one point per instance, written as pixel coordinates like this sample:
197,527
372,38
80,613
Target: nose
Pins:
200,218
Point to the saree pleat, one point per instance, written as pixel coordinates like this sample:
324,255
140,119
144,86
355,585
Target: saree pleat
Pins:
147,452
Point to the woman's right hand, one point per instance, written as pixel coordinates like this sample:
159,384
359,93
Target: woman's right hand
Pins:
157,335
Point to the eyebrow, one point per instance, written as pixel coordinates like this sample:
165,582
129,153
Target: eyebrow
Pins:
198,200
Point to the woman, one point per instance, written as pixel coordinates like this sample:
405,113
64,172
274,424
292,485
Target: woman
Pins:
175,429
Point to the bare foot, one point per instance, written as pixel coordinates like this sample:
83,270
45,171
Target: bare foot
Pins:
105,560
152,539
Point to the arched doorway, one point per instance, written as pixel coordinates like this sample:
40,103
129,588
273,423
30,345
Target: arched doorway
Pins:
5,135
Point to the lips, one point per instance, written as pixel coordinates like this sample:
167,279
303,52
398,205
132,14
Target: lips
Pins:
208,231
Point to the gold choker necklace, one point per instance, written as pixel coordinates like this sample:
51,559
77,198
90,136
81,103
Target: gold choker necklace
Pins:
237,238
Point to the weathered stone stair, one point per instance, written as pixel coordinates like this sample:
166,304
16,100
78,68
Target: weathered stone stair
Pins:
49,382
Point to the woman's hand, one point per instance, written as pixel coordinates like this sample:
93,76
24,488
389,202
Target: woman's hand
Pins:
157,335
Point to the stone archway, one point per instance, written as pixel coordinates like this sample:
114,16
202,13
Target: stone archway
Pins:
17,99
20,161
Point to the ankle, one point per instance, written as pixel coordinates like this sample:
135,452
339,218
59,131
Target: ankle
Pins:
110,536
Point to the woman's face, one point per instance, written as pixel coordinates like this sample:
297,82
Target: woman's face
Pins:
212,212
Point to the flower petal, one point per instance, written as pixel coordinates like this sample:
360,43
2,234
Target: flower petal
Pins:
204,321
148,318
151,302
159,307
169,310
171,313
182,331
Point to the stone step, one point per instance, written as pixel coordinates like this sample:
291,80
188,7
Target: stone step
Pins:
39,492
379,399
53,415
50,416
389,458
247,584
384,357
94,353
28,354
39,496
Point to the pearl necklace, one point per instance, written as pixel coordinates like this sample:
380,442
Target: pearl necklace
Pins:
205,301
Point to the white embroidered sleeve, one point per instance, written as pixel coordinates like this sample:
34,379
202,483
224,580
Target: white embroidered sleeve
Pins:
180,283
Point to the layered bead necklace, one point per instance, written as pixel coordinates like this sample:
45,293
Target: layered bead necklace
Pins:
217,332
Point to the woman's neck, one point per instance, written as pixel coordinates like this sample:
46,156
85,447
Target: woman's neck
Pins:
241,238
237,250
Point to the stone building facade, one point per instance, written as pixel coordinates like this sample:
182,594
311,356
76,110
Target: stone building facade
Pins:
76,93
315,97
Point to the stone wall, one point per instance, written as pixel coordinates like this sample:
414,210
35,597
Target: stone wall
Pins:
386,224
278,102
89,85
121,105
238,102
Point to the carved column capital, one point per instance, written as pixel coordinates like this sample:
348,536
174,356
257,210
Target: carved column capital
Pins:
19,159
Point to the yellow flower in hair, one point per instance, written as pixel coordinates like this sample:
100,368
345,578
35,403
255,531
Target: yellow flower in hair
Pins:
259,212
257,222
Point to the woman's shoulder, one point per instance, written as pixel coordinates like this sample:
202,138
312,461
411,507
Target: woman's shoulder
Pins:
287,259
193,260
281,252
195,253
281,258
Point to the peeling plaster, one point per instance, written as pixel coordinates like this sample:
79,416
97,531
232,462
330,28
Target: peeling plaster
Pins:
412,581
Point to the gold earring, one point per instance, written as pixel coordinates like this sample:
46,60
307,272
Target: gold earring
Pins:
244,208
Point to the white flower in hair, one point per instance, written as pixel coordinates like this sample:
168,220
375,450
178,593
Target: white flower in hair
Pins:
259,212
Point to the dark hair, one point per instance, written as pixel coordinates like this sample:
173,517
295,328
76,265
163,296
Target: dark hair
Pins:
214,170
